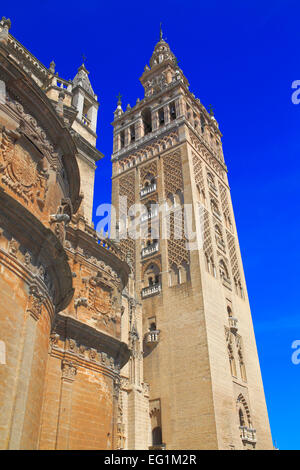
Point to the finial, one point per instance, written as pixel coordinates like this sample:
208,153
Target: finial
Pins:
119,98
176,61
160,32
83,58
5,25
211,110
52,67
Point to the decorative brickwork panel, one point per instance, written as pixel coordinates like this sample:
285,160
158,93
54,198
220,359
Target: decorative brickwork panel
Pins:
127,189
233,257
207,239
224,201
173,178
173,184
198,171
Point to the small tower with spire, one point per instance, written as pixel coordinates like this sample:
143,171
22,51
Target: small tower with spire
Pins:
85,100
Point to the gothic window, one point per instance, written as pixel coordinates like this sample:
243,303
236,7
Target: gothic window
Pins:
122,139
172,111
243,412
202,121
229,311
147,120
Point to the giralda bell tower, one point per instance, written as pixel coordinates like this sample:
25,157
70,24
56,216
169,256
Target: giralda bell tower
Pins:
200,356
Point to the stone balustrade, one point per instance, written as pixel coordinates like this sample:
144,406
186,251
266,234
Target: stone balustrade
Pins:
248,434
233,324
149,250
148,190
151,290
152,337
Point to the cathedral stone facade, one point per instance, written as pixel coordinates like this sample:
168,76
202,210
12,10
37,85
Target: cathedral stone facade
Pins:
119,343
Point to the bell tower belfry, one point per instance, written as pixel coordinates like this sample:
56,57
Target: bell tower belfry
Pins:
200,356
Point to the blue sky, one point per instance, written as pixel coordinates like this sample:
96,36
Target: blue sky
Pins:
242,58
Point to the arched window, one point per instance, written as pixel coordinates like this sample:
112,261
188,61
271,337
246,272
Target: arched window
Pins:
122,139
147,120
172,111
161,116
202,121
184,273
132,133
229,311
152,274
156,436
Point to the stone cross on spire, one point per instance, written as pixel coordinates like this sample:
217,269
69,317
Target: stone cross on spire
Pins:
119,96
